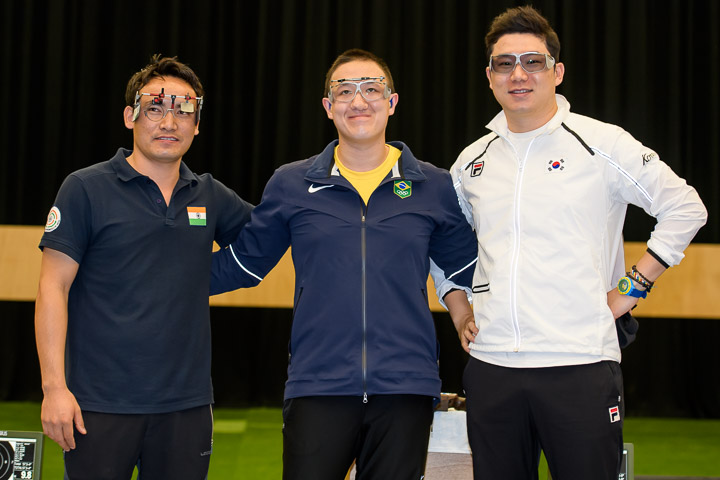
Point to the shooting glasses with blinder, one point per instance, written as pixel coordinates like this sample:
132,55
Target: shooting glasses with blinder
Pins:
156,109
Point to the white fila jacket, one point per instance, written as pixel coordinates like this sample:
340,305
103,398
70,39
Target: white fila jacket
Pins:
549,228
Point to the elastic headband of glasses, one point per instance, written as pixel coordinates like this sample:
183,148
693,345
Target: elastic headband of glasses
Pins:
360,79
185,106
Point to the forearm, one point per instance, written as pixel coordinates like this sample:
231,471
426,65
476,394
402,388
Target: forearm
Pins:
459,308
57,273
229,273
649,267
50,336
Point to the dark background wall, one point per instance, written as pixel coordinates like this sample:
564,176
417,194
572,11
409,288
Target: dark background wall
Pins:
65,64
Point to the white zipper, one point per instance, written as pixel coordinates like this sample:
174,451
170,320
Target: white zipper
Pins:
516,244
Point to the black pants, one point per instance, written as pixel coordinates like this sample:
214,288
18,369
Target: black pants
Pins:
172,446
387,437
574,413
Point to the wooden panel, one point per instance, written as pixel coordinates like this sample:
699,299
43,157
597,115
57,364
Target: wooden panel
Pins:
686,291
19,262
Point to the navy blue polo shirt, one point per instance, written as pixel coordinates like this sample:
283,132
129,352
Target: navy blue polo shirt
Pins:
138,316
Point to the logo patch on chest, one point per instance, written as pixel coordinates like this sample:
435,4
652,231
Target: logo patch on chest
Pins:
402,188
477,167
556,165
197,216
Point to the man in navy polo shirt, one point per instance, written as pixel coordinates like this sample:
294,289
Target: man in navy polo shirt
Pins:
122,315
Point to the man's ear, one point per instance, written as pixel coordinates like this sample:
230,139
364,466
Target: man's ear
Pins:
128,117
559,73
394,99
327,105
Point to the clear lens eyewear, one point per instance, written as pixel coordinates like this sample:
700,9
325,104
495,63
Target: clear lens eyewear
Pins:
158,112
156,109
531,62
344,90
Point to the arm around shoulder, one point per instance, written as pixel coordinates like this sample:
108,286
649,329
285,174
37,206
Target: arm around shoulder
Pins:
260,245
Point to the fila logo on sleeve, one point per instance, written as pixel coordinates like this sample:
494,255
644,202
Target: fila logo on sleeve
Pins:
614,414
476,168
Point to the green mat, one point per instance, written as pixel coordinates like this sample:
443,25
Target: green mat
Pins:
248,444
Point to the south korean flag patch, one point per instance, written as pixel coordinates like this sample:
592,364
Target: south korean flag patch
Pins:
556,165
476,168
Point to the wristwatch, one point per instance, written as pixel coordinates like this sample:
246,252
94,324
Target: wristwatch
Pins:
627,287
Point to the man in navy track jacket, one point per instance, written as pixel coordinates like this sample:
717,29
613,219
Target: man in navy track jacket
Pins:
364,218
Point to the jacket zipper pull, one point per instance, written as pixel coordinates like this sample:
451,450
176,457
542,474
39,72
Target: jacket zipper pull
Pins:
365,400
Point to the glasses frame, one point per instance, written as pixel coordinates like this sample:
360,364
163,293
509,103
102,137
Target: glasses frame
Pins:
158,100
165,112
358,82
549,62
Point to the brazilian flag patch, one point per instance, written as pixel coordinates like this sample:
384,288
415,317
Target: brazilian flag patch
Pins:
402,188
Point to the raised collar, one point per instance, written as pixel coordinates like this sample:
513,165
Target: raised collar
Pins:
407,166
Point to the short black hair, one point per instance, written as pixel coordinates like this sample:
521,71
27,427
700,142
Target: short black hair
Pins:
523,20
363,55
158,68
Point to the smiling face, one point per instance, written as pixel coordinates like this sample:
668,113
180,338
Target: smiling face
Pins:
167,140
360,121
528,99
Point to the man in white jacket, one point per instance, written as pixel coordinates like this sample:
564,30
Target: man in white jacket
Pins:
546,192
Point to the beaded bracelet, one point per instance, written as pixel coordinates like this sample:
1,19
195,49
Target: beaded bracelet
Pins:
635,270
640,279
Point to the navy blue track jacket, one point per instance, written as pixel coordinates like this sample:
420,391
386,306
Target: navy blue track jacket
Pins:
361,322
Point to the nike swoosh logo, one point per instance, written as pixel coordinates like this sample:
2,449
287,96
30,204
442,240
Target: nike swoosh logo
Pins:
312,188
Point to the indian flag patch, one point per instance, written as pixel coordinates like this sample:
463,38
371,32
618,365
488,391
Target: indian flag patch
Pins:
197,216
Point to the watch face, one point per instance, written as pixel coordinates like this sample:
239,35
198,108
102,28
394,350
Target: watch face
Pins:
624,285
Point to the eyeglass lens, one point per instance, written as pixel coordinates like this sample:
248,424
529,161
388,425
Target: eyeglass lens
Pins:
345,92
182,111
530,62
